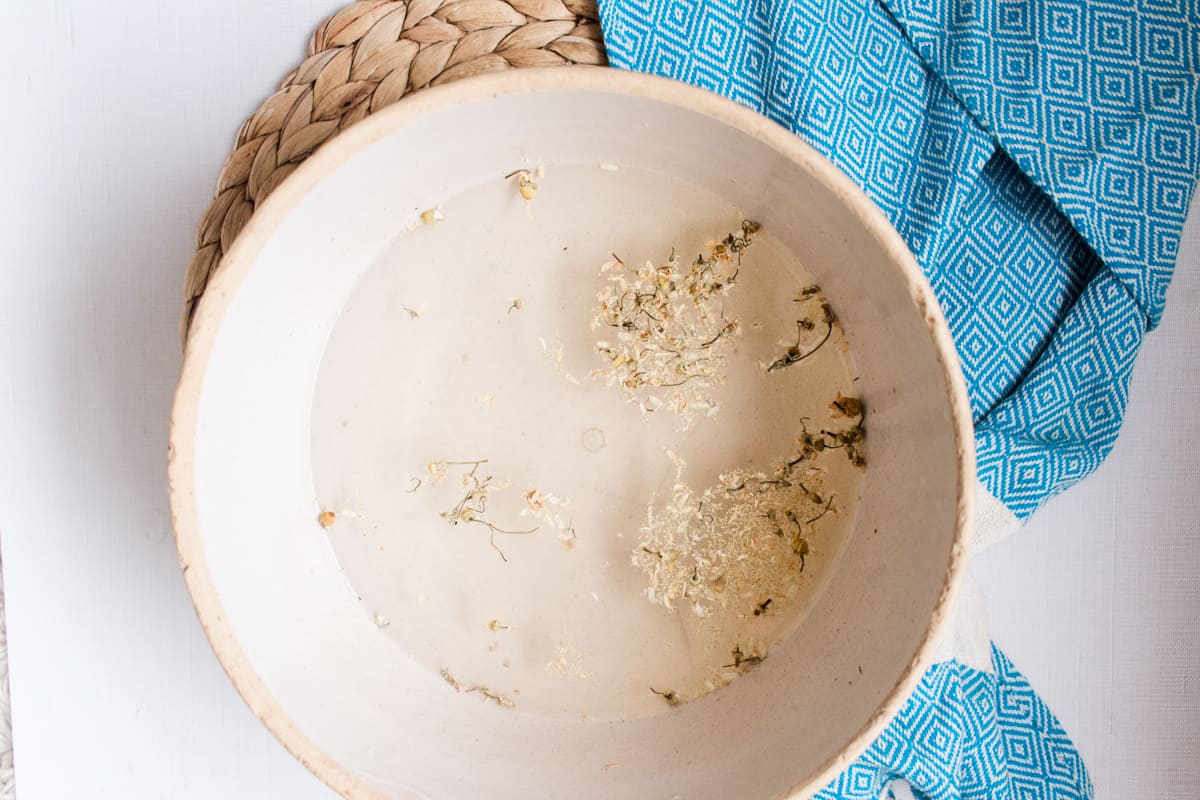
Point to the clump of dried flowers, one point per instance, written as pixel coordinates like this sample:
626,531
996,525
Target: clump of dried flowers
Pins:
670,330
744,538
747,536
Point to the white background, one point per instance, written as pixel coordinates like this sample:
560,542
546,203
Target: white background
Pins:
117,117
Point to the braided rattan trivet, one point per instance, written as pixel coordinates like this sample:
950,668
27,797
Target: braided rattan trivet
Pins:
363,58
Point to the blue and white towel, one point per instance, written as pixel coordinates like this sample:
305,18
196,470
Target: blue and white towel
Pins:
1039,157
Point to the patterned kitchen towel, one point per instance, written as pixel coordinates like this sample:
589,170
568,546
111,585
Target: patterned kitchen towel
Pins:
1038,156
969,735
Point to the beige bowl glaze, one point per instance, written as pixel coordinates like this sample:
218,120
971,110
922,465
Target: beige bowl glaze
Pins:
283,613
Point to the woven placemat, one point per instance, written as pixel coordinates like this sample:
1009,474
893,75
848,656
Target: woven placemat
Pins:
365,57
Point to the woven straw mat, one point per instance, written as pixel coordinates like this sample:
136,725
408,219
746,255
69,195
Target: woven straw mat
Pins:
363,58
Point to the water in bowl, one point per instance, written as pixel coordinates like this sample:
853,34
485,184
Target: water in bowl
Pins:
466,357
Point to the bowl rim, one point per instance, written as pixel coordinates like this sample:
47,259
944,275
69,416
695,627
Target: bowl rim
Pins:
271,212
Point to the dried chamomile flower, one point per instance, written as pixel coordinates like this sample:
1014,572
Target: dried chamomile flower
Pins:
745,660
472,507
553,511
743,538
526,186
843,406
451,680
489,695
535,500
669,326
808,340
851,439
482,691
415,313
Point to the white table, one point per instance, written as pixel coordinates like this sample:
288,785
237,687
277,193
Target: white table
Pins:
117,118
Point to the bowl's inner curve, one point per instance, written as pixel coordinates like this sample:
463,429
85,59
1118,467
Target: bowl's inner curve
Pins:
323,392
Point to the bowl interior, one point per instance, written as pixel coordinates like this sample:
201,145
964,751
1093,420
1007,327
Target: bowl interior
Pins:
346,345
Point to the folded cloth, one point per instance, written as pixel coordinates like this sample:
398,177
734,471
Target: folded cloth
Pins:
1038,157
969,734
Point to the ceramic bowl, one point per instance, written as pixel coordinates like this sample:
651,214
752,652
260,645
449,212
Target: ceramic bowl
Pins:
396,304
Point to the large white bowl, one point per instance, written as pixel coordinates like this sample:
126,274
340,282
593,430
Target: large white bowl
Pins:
344,695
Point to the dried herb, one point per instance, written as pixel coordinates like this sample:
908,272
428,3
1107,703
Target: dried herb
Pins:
744,662
824,511
852,438
553,510
670,326
803,347
483,691
800,548
795,353
488,694
526,186
706,550
843,406
672,699
747,534
473,505
450,679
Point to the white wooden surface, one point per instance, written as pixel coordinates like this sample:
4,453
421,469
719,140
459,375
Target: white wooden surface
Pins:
118,116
